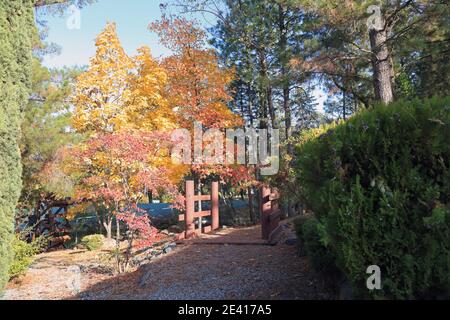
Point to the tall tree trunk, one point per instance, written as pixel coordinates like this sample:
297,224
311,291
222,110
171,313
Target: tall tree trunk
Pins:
382,68
271,106
117,229
98,217
150,196
286,84
287,111
344,105
262,113
264,96
108,227
251,208
250,104
285,70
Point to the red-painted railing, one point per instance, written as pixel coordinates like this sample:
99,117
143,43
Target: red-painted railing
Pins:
270,213
190,214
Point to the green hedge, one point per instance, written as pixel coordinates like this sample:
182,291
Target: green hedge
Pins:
379,185
310,235
16,34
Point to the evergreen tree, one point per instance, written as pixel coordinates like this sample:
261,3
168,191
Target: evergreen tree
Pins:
17,32
45,129
370,40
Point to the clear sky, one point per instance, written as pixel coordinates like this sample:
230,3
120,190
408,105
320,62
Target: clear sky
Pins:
132,18
78,45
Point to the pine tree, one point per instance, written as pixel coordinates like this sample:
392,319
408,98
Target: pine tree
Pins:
45,128
366,36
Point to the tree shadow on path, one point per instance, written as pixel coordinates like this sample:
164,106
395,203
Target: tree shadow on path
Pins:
196,271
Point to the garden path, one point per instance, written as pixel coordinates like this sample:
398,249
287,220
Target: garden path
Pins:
192,270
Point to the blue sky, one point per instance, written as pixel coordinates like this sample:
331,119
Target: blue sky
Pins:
132,18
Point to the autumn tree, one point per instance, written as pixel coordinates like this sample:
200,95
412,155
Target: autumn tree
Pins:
197,86
100,97
115,170
199,91
103,91
120,102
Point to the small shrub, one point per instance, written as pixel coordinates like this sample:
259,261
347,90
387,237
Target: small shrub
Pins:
379,185
93,242
24,253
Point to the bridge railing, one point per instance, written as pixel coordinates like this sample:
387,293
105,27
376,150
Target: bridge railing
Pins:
270,213
190,214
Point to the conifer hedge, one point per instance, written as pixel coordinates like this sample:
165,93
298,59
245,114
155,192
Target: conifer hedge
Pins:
17,32
379,186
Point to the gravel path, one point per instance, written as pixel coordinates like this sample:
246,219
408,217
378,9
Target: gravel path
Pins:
192,271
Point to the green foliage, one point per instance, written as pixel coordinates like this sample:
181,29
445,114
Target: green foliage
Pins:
261,39
424,69
17,32
93,242
313,239
23,257
379,185
44,131
24,253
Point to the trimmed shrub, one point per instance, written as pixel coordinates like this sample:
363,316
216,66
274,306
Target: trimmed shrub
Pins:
93,242
379,185
16,33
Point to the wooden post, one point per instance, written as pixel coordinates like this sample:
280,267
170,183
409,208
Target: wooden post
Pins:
266,209
273,224
190,209
199,192
251,206
215,205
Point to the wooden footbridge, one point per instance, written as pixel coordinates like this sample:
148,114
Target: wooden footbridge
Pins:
269,210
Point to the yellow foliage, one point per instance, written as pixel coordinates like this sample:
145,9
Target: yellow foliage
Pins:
119,92
122,94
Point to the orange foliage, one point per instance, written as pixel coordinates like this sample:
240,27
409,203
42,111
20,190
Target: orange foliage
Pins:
197,86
